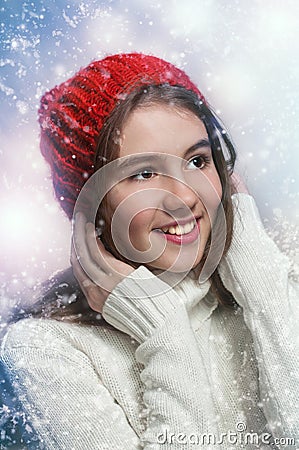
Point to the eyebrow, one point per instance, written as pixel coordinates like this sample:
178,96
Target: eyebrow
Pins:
202,143
140,158
128,161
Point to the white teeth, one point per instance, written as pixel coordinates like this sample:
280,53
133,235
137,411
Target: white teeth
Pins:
180,229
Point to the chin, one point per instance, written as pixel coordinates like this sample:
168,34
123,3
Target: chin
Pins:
181,265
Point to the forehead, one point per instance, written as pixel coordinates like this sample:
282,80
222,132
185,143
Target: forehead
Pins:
161,129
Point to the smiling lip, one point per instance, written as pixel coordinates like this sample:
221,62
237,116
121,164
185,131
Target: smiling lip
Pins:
180,222
182,238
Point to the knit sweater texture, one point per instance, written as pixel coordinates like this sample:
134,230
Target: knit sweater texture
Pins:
178,371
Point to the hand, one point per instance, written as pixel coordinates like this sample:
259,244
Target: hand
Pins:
97,271
237,184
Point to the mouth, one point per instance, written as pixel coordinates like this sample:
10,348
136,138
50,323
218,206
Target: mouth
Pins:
182,233
180,229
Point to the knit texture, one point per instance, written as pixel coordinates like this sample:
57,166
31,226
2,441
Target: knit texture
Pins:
72,114
185,368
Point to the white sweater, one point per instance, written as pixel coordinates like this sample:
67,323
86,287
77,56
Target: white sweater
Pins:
185,370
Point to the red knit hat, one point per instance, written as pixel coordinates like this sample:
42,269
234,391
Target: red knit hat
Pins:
71,115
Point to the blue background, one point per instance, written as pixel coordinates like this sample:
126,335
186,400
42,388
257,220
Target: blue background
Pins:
243,56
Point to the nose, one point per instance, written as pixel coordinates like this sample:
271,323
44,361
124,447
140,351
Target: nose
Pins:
178,196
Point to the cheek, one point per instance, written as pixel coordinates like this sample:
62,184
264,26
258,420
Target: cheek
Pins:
207,184
113,199
215,181
140,224
213,200
130,219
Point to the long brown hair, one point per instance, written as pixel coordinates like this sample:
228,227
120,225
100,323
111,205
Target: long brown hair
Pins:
61,297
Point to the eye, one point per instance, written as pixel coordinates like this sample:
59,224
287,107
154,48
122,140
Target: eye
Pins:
144,175
199,162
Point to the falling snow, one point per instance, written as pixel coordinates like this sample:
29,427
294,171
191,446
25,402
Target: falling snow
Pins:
241,56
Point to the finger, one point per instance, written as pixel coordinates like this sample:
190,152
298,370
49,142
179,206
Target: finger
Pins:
94,295
73,255
78,272
97,250
99,265
78,236
92,268
101,257
114,268
109,264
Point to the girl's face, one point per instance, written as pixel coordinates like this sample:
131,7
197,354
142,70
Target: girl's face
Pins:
164,208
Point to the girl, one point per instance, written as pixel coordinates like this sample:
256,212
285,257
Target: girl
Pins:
177,329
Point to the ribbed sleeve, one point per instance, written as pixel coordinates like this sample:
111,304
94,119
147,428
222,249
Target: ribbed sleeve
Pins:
256,273
177,391
140,304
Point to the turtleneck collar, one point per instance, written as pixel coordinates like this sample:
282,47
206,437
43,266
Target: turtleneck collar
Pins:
198,301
